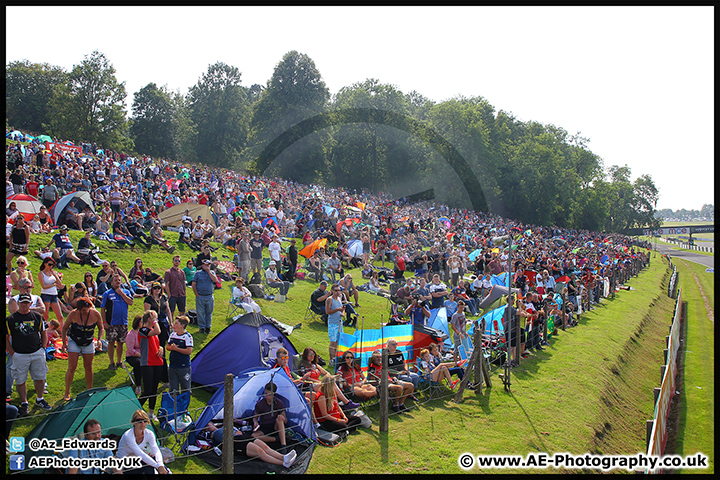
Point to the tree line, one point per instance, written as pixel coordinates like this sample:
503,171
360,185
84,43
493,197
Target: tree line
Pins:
539,174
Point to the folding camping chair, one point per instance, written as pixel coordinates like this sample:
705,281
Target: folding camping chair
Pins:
174,418
427,388
312,314
235,305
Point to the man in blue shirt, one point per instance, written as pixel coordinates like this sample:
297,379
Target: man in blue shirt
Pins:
203,286
114,312
92,431
64,247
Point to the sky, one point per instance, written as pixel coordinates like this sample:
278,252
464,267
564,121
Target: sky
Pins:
637,81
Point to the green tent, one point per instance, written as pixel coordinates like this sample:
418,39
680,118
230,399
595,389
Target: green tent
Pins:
112,408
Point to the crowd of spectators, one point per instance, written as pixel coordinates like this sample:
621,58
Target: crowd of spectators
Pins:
440,256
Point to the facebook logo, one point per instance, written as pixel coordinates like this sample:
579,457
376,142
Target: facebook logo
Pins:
17,444
17,462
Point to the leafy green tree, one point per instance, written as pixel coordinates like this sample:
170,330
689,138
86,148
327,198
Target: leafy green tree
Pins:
28,88
219,108
91,106
184,129
295,92
645,197
152,127
359,153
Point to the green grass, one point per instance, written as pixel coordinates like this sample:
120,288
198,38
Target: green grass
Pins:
590,391
697,399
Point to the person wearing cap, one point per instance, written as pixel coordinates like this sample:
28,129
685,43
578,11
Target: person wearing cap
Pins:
256,249
317,300
203,286
78,333
63,246
25,286
185,234
26,340
274,281
50,193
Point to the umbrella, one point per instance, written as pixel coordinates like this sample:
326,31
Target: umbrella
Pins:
563,279
474,254
348,222
444,220
44,138
354,209
27,205
80,198
308,250
355,248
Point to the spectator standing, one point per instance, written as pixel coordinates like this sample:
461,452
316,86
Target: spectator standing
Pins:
292,259
157,302
256,255
26,341
244,249
203,286
50,193
78,338
175,286
114,312
180,346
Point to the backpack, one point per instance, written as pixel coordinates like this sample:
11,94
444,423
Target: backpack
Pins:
192,316
257,291
256,279
328,439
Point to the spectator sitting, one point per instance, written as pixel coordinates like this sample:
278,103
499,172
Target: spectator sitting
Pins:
270,418
245,444
317,300
242,297
399,390
272,279
156,236
353,378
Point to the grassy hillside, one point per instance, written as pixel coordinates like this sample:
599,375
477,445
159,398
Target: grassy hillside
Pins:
590,391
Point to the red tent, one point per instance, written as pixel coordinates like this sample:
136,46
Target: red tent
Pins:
27,205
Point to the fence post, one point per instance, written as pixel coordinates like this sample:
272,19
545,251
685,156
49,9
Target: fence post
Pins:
228,451
384,392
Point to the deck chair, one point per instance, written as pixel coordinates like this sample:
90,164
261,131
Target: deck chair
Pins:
313,315
174,418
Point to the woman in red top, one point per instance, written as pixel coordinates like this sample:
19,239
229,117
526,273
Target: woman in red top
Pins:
151,358
327,411
352,377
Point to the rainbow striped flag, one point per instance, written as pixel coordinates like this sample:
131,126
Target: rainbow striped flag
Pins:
364,342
